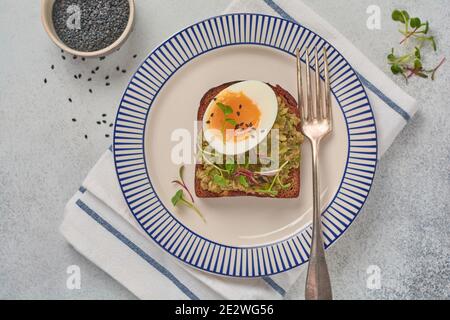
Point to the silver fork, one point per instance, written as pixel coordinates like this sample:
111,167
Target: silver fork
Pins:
316,123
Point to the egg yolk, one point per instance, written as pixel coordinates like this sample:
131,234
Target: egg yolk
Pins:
234,114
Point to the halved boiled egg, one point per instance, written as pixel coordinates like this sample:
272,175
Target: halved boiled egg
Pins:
240,117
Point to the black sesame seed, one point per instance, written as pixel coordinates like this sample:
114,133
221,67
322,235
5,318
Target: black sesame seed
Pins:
90,90
134,56
75,76
52,67
85,136
241,124
79,76
110,124
104,121
240,106
74,120
70,99
45,80
97,68
93,71
212,115
107,84
63,57
107,135
107,77
236,127
102,58
62,51
104,115
74,57
250,124
215,99
238,113
83,59
98,122
118,68
89,79
124,71
208,122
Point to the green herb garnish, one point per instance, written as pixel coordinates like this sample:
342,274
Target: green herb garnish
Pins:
243,181
225,108
410,64
220,180
178,197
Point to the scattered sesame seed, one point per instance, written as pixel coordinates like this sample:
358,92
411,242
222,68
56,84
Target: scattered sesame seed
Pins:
97,68
208,122
63,57
110,125
79,76
52,67
104,115
240,106
74,120
89,79
135,56
102,58
107,77
93,71
104,121
74,57
45,80
107,135
85,136
70,99
75,76
118,68
83,59
98,122
90,90
107,84
238,113
124,71
212,115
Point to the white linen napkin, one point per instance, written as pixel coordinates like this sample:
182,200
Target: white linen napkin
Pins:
100,226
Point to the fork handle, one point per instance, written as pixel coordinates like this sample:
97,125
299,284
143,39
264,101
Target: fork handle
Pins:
318,285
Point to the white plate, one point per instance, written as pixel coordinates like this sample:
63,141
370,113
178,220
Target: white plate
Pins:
243,236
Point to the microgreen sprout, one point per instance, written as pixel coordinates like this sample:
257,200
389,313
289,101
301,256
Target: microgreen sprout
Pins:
178,197
411,64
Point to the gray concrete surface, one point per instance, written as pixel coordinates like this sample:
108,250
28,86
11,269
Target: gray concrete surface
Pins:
404,228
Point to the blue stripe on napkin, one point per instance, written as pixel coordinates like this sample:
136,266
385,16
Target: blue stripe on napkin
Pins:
136,249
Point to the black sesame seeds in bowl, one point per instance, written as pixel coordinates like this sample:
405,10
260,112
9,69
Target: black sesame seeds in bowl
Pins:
88,28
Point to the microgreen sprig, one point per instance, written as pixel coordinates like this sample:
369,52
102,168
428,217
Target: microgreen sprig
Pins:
411,64
178,197
227,110
413,27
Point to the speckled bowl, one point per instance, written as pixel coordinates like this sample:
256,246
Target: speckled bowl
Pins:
47,21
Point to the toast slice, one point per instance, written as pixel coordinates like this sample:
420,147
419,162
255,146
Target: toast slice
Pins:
292,191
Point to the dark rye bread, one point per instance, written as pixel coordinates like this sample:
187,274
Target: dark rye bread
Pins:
294,175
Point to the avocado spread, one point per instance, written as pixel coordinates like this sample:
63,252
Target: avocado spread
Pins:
251,178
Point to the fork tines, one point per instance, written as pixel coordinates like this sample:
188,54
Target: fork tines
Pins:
317,105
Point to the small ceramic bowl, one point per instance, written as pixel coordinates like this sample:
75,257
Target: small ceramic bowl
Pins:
47,21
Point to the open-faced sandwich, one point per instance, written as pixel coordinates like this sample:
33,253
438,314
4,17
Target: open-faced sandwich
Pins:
240,120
